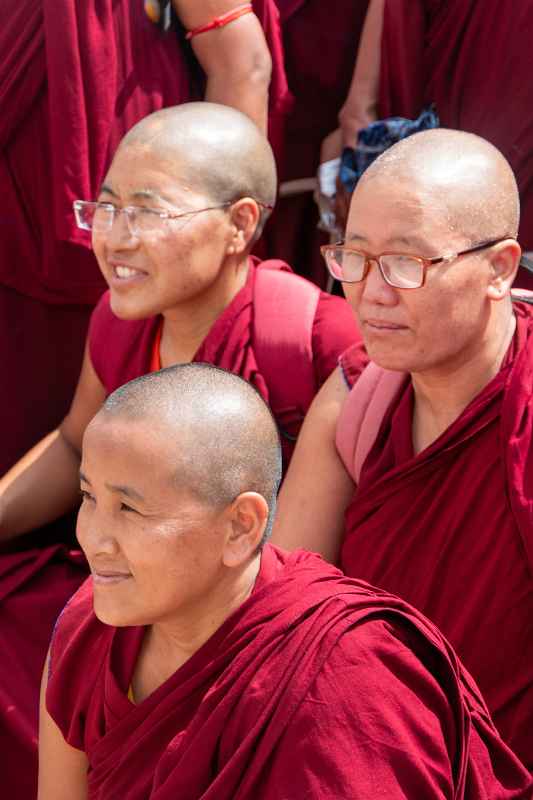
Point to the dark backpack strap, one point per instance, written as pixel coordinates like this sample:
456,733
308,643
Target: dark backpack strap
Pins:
284,311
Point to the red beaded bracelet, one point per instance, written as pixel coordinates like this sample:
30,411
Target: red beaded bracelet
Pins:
224,19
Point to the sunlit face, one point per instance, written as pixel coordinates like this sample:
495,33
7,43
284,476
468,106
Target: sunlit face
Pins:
181,263
154,549
438,326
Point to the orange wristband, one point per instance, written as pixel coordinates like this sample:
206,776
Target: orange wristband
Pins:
224,19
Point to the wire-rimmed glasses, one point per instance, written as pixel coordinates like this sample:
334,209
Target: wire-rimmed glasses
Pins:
100,217
400,270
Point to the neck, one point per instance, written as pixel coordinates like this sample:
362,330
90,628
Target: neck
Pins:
185,326
442,395
168,644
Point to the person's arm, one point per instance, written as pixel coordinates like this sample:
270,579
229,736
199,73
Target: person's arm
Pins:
361,105
44,484
317,487
62,768
235,58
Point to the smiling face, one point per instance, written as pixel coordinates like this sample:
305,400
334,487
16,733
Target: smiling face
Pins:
440,325
182,262
155,550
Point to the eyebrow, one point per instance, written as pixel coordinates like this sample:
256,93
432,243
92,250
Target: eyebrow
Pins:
141,194
127,491
107,189
412,241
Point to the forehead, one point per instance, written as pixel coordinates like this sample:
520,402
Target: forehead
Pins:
134,448
140,172
388,212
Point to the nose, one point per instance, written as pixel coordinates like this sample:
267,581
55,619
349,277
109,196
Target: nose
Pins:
121,233
95,537
376,290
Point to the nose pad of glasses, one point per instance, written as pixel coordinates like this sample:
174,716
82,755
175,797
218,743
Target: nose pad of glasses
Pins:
378,271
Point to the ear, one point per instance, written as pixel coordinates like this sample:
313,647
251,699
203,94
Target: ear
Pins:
244,215
248,519
505,260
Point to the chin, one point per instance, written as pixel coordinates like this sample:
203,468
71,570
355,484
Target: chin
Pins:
114,615
397,362
130,310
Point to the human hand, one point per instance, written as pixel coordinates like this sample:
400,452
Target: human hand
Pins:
331,146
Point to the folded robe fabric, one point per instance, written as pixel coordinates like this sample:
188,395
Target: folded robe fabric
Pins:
317,686
451,531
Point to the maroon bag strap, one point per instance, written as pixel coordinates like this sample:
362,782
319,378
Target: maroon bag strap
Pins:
362,414
284,311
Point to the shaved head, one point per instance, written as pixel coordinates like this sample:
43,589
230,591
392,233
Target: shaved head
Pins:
467,176
224,435
219,150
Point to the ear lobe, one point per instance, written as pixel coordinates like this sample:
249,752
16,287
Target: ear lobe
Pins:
504,266
248,520
245,218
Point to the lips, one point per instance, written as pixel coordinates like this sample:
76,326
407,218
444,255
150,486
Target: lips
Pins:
104,577
384,325
125,273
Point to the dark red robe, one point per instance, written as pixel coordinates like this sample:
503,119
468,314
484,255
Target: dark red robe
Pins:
472,58
35,583
317,686
320,41
451,531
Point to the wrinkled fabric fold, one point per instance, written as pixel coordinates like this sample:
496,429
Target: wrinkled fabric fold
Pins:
220,726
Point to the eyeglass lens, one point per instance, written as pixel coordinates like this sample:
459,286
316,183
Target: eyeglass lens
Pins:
398,270
101,218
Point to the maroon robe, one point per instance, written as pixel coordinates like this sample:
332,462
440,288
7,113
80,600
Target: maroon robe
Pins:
472,58
451,531
320,41
317,686
36,582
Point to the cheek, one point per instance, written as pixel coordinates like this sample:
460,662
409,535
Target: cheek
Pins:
353,293
98,246
186,261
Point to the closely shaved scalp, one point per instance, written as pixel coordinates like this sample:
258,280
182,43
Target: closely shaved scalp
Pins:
469,177
226,439
219,150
